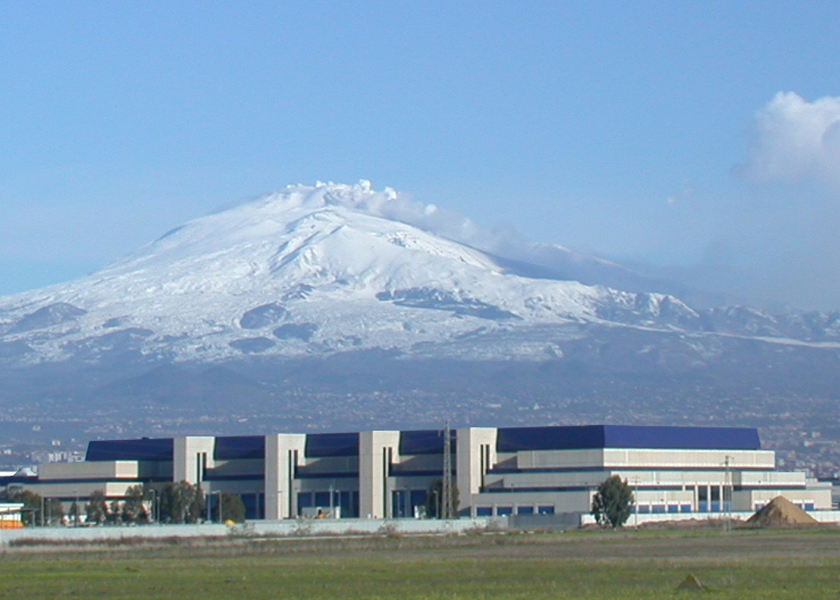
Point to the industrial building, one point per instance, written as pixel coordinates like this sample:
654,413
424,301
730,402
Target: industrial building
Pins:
704,471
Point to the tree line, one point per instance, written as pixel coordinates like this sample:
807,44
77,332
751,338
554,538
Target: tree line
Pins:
177,502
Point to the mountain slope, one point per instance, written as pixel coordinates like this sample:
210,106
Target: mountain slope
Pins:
311,271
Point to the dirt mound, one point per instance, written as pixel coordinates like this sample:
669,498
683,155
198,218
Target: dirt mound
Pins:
691,584
780,512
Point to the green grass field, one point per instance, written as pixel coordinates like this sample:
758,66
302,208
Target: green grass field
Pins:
646,564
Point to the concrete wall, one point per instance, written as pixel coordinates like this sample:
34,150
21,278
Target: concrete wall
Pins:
283,452
117,469
191,455
377,451
288,528
475,454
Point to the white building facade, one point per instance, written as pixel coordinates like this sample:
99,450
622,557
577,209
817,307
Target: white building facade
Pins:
497,471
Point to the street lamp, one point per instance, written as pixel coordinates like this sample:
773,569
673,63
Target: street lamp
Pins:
209,511
153,492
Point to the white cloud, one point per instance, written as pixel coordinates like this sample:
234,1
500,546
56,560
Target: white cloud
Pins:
795,139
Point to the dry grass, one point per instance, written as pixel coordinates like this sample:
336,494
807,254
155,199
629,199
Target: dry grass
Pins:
592,564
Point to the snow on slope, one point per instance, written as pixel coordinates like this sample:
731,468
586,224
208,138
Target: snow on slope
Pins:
308,270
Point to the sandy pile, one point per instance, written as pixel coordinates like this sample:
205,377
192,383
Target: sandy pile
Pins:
691,584
780,512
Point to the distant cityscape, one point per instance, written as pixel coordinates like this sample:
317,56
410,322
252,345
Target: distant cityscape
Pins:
802,441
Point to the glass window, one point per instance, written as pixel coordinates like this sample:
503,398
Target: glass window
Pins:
525,510
304,500
546,510
504,510
399,504
483,511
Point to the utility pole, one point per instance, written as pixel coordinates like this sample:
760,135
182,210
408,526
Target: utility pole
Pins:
447,473
727,496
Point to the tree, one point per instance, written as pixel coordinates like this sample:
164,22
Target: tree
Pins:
434,499
55,511
133,508
181,502
74,513
115,512
97,508
611,503
233,509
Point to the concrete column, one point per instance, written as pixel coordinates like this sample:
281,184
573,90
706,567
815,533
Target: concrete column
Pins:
377,451
470,465
191,455
283,452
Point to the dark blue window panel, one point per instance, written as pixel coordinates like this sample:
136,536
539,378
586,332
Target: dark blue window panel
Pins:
504,510
254,506
483,511
809,506
349,503
12,479
424,442
525,510
418,498
658,508
304,500
144,449
686,508
211,476
319,445
303,473
240,447
399,504
513,439
672,508
546,510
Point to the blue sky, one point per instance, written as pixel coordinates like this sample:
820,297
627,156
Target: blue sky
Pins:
695,138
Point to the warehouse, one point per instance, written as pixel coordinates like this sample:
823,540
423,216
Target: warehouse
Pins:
704,471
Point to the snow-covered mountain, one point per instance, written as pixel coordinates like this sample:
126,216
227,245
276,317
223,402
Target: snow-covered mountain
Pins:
341,307
313,270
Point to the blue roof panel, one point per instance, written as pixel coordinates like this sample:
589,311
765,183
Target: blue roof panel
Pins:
146,449
513,439
424,442
321,445
689,438
240,447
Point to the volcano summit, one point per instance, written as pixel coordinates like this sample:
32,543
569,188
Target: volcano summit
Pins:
311,271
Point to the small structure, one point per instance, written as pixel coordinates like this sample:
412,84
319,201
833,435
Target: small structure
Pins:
10,515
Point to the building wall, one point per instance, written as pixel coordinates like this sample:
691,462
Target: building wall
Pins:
81,471
193,455
283,453
378,450
476,453
388,474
